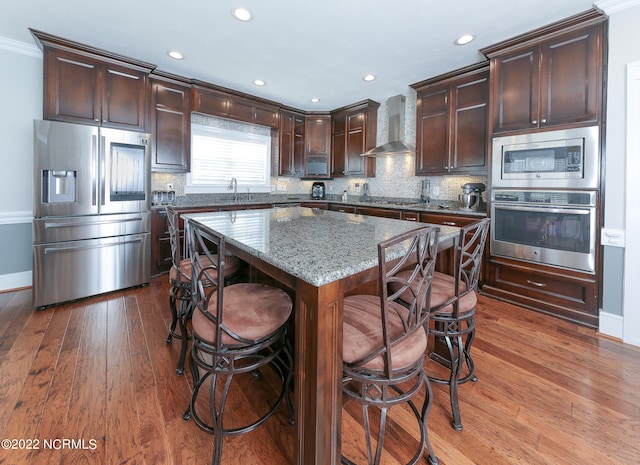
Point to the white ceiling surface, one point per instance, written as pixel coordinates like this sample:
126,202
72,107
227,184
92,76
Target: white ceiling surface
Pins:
302,48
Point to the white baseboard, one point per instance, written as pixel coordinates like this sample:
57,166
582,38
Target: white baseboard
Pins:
611,325
15,280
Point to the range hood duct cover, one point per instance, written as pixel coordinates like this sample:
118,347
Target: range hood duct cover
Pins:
395,146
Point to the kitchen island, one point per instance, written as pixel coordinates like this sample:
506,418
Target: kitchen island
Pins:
320,255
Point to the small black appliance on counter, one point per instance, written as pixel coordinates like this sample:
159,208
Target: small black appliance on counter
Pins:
317,191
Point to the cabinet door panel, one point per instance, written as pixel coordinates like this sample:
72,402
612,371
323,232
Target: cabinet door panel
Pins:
432,139
170,126
125,98
318,136
469,149
432,134
286,144
516,90
338,144
355,144
72,88
570,69
210,102
241,110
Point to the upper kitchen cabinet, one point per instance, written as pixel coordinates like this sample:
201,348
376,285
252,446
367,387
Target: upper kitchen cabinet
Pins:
91,86
228,104
550,77
353,132
170,123
291,143
452,117
317,140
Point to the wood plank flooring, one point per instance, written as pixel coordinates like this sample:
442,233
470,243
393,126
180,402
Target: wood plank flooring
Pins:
97,374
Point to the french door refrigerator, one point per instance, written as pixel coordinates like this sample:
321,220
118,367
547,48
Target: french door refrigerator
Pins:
92,220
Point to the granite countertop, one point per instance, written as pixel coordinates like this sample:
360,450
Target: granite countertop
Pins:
295,239
435,206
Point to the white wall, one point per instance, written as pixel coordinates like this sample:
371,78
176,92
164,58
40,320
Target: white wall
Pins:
624,18
21,97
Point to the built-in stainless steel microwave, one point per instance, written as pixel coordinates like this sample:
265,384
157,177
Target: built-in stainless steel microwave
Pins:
566,158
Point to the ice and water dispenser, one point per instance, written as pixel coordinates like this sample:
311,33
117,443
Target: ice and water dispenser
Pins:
58,186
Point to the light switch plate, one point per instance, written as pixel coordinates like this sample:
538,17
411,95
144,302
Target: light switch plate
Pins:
612,237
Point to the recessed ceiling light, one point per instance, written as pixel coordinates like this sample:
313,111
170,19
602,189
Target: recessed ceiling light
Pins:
241,14
464,39
315,100
259,82
369,78
175,55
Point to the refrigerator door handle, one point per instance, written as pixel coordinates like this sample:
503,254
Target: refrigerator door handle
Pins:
94,166
49,225
103,173
57,249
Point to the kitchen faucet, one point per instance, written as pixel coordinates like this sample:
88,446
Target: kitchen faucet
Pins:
234,186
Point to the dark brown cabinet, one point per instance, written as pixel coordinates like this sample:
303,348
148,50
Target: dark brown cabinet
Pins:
170,124
552,77
452,115
291,144
218,102
317,140
381,212
353,132
83,85
561,293
340,207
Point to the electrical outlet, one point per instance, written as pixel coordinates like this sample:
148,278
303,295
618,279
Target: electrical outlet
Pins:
357,188
170,186
436,191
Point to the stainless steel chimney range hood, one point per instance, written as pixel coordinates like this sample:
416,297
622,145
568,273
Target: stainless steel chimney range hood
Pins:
395,145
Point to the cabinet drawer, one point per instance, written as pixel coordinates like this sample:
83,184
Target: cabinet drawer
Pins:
411,216
560,293
448,220
336,207
382,212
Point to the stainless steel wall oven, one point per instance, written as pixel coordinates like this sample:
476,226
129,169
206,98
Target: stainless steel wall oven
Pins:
553,227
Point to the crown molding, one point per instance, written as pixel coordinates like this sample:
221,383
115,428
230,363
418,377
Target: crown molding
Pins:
20,47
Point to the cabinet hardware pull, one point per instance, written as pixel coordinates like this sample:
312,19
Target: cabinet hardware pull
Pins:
535,121
536,284
411,219
544,120
448,223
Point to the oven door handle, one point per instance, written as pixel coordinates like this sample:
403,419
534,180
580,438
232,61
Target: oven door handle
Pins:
571,211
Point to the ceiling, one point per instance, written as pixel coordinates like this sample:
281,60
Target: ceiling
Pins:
302,49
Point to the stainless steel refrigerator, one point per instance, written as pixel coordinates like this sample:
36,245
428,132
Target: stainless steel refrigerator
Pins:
91,203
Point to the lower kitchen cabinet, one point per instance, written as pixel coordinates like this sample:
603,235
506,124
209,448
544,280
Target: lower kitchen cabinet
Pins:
339,207
318,205
382,212
567,294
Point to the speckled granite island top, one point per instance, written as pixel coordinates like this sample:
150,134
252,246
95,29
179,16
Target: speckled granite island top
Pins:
317,246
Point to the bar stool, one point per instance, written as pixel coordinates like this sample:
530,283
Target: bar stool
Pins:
180,280
237,331
453,308
385,343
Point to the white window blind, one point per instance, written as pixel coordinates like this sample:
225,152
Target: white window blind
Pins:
229,150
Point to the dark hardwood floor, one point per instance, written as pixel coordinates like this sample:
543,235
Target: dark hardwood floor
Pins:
93,382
